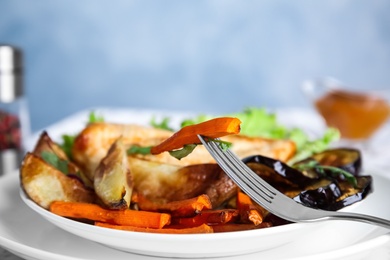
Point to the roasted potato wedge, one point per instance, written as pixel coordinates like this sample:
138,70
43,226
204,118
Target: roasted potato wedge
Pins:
46,144
92,144
44,184
162,182
113,181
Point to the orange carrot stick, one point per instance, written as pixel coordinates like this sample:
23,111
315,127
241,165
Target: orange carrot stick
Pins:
120,217
192,230
181,208
247,209
209,217
213,128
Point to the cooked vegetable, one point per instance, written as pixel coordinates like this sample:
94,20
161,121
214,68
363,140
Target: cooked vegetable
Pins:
317,185
164,124
336,195
307,147
275,171
93,142
341,163
182,208
143,219
113,181
248,210
209,217
44,184
95,118
187,135
163,183
53,154
312,165
68,140
347,159
52,159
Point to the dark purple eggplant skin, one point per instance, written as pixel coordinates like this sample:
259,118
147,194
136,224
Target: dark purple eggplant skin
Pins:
347,159
321,197
327,198
282,169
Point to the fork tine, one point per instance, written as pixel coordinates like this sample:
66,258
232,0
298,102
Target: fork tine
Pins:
248,181
251,174
234,162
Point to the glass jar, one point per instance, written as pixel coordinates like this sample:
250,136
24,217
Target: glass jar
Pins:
14,116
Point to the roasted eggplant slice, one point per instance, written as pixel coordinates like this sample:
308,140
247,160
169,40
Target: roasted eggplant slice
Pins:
320,197
346,159
275,171
336,196
327,185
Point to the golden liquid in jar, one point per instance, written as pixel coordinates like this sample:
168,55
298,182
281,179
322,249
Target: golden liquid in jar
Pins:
355,115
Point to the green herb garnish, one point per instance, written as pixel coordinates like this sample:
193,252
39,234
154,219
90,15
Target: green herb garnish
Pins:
179,153
223,144
94,118
58,163
325,170
307,147
67,144
164,124
136,149
183,152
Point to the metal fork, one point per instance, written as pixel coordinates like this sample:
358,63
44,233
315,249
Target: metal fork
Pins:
273,200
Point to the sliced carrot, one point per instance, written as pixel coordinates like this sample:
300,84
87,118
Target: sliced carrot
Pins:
230,227
120,217
192,230
134,197
181,208
213,128
209,217
247,209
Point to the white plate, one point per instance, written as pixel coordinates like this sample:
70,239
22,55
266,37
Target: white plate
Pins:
29,235
22,231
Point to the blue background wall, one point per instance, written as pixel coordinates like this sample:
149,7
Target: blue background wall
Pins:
205,56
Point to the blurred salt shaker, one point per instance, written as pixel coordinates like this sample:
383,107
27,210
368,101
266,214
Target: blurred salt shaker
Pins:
14,116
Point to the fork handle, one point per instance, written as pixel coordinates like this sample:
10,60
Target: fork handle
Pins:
359,217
